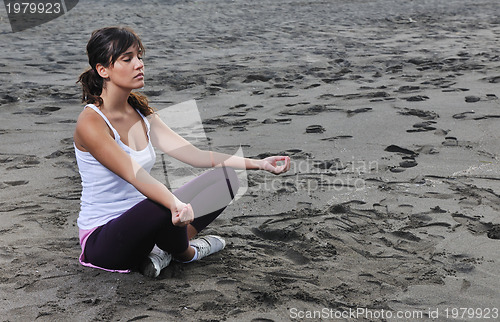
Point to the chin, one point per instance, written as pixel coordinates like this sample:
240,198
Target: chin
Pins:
139,86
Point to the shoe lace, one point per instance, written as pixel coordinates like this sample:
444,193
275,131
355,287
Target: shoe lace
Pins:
203,247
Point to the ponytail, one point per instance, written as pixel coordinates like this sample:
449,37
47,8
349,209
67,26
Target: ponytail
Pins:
92,84
140,103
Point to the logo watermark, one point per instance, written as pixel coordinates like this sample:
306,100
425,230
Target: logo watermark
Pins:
25,14
357,313
383,314
185,119
311,175
304,175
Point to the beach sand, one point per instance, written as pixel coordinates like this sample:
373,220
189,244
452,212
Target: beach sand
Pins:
389,110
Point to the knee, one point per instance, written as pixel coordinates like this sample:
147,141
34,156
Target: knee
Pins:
157,214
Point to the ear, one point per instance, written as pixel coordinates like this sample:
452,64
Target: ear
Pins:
102,71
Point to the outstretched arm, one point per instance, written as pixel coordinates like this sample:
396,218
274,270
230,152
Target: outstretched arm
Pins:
171,143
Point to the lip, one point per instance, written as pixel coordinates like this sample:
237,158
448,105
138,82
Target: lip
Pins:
139,76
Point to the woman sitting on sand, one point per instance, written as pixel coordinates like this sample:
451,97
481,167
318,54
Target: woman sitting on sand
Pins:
129,220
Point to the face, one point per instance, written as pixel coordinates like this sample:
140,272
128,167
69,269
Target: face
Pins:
128,70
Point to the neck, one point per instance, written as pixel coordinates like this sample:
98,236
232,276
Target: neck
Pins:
114,98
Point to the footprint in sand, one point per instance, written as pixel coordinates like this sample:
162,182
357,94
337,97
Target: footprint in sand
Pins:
465,115
427,149
441,132
244,105
312,86
494,232
417,98
16,183
407,89
359,110
265,232
408,159
274,121
339,137
450,141
7,99
237,114
398,149
296,257
396,170
264,77
408,163
472,99
23,161
269,121
405,209
312,110
315,129
422,127
426,115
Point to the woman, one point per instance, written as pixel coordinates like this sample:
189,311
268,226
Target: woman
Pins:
129,220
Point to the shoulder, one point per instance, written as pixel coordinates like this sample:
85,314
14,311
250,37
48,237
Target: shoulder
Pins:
153,117
90,126
90,118
155,120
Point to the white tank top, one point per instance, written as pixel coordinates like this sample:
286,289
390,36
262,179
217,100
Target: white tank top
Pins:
105,195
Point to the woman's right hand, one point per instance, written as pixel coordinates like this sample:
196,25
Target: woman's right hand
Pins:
182,214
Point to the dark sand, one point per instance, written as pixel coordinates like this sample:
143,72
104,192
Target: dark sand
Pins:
389,110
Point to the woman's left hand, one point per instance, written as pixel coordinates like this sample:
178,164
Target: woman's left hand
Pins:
271,164
183,215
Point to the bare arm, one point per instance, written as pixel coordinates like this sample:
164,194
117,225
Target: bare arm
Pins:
177,147
92,134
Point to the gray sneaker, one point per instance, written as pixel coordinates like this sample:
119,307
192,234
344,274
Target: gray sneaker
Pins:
208,245
155,262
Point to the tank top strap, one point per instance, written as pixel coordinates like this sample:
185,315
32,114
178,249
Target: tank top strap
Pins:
115,132
148,126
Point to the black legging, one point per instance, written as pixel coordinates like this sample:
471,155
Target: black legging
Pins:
124,242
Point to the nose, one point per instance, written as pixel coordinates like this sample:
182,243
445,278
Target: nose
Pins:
139,64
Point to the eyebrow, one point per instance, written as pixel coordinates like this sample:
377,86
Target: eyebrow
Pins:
131,53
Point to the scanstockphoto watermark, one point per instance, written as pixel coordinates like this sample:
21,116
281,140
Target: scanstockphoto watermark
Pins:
25,14
461,313
311,175
185,119
356,314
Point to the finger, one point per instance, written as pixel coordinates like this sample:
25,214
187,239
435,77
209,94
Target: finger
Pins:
286,159
275,158
191,212
279,158
188,209
284,167
184,215
273,169
278,170
189,216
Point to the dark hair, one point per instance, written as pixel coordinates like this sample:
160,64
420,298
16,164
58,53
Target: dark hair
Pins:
104,47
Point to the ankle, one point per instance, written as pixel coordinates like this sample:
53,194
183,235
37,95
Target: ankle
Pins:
194,258
189,255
